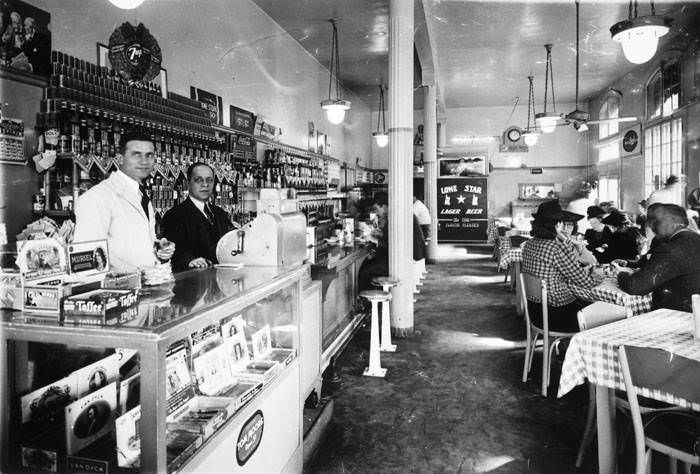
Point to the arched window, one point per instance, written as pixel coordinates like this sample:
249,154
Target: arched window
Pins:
663,150
663,90
610,108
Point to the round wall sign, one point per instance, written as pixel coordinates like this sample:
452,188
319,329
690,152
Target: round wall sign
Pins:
134,53
630,141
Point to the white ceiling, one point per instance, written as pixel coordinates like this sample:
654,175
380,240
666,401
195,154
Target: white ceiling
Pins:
483,51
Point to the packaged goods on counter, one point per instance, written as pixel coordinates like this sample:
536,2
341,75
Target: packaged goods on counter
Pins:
98,305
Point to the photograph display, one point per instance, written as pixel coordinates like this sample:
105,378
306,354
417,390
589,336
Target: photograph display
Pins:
212,371
97,375
89,418
25,39
262,344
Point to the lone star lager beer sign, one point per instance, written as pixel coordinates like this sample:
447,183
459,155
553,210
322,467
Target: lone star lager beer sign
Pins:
134,53
462,209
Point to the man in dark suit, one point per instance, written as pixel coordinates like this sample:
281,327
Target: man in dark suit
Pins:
196,225
673,270
36,47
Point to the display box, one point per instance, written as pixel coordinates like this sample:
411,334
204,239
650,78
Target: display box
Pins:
179,446
203,415
88,260
122,281
262,371
98,304
44,296
11,295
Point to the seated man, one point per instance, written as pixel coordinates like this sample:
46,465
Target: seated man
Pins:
546,258
672,272
196,225
377,264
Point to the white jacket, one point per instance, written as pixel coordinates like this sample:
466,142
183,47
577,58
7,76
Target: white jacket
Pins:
112,210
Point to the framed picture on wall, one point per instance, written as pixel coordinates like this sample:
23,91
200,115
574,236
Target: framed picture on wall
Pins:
464,164
25,38
537,191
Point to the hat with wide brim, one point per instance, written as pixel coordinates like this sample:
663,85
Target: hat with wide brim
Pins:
569,216
617,219
595,211
549,210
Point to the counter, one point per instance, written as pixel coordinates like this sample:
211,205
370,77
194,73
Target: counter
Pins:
165,314
338,274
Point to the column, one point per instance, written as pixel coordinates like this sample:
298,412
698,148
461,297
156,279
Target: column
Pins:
430,166
401,163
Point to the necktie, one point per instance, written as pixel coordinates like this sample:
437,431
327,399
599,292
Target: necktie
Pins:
209,214
144,199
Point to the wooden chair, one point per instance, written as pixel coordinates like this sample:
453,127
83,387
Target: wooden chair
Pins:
536,289
673,433
592,316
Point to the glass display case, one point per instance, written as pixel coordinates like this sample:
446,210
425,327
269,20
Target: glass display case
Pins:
202,372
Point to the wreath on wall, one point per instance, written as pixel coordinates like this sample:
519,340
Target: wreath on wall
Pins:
134,53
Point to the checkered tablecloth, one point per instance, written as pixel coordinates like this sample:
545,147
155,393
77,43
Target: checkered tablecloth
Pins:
610,292
591,354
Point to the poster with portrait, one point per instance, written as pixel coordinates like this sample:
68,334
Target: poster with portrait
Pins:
210,102
237,350
90,418
25,38
262,343
88,258
97,375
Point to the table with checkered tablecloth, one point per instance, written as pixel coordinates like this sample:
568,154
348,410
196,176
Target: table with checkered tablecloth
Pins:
610,292
592,355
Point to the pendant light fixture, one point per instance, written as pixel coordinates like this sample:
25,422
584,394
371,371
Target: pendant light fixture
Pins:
578,118
335,108
381,137
126,4
639,36
530,136
547,121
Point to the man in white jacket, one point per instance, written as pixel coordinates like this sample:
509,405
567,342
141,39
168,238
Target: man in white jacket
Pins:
119,210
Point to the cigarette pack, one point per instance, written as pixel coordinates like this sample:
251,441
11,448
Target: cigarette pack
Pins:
180,445
98,304
123,281
262,371
203,415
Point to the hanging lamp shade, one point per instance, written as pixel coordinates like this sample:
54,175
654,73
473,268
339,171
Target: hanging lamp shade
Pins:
530,136
335,107
547,121
639,36
380,136
126,4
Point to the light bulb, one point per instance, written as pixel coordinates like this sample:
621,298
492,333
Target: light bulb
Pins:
639,50
530,138
639,37
381,138
547,123
335,109
126,4
335,115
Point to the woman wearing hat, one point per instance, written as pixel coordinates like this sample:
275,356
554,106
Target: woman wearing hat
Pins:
545,257
625,240
598,236
572,241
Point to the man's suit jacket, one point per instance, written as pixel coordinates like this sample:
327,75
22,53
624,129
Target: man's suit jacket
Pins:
112,210
194,237
38,52
672,273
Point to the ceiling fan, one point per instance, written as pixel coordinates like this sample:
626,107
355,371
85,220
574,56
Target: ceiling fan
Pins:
580,119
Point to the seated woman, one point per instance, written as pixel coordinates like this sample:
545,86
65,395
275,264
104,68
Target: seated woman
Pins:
545,258
625,241
571,240
598,236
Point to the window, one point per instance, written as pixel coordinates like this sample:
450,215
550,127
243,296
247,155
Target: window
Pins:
663,91
609,109
610,151
662,153
609,189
